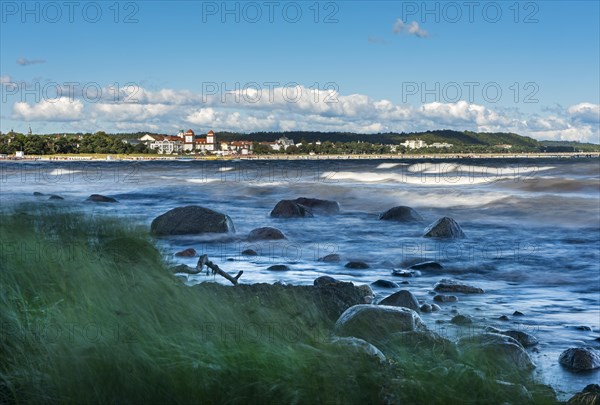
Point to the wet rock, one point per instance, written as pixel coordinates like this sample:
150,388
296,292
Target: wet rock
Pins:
191,252
446,228
376,322
265,233
249,252
584,328
324,280
359,346
318,206
290,209
461,320
331,258
445,298
278,267
38,194
406,273
191,219
518,313
590,395
426,266
426,308
101,198
503,318
369,295
384,284
497,351
402,298
419,340
453,286
356,265
55,197
526,339
580,358
401,214
435,307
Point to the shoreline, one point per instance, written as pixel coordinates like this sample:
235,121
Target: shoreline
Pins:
149,158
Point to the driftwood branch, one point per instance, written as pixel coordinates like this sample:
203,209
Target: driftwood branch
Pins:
203,261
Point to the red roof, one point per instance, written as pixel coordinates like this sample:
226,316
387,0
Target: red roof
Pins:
189,132
210,132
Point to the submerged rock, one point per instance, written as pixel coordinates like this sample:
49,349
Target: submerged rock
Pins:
290,209
38,194
191,252
590,395
191,219
426,266
356,265
461,320
402,298
401,214
55,197
318,206
377,321
101,198
331,258
265,233
445,227
384,284
449,285
445,298
249,252
278,267
580,358
406,273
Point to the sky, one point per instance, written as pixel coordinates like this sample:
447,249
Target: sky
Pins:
529,67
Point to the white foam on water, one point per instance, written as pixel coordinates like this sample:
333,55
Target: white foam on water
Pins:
490,171
201,181
63,172
390,165
438,179
225,169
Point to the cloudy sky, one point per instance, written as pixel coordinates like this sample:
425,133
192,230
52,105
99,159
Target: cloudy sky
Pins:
530,67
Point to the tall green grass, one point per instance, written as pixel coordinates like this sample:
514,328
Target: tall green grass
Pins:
89,313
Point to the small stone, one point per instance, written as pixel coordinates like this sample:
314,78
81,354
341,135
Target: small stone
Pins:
384,284
190,252
427,308
445,298
461,320
249,252
278,267
518,313
331,258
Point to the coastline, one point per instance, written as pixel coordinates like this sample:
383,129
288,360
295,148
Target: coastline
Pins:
116,157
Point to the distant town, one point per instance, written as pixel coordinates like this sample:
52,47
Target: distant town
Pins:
228,144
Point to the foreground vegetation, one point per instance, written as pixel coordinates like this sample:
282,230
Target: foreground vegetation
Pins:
90,313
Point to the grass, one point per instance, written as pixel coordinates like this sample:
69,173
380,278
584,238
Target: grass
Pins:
89,313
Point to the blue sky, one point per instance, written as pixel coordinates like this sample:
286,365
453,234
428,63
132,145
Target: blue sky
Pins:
379,66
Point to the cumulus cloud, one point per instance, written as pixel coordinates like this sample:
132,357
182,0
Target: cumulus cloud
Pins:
586,112
5,79
411,28
130,112
26,62
62,109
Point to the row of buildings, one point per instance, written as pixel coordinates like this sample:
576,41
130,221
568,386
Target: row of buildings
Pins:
188,142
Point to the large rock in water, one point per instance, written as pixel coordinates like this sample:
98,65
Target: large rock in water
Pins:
580,358
444,228
191,220
376,322
265,233
402,298
290,209
101,198
401,214
496,351
319,206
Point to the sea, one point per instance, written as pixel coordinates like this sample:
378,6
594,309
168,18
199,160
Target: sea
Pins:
532,231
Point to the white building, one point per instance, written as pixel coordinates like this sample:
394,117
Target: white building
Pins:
414,144
164,144
441,145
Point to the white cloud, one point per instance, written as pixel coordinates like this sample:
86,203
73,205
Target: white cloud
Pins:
586,112
26,62
412,28
130,112
5,79
61,109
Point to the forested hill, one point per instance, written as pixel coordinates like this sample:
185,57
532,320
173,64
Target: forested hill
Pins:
454,137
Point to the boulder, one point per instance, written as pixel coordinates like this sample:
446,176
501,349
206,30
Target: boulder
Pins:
526,339
265,233
290,209
375,322
426,308
453,286
496,351
191,252
55,197
402,298
356,265
359,346
461,320
446,228
419,340
101,198
580,358
401,214
331,258
590,395
191,219
249,252
325,280
426,266
384,284
317,206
